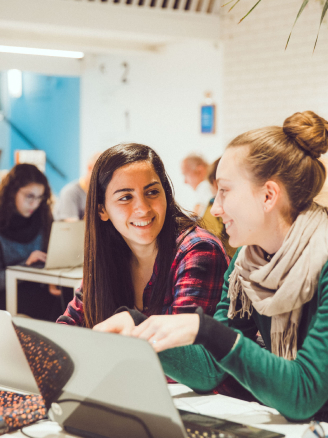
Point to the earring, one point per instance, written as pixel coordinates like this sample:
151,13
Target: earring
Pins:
264,208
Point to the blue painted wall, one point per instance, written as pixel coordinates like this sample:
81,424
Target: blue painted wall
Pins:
48,113
4,129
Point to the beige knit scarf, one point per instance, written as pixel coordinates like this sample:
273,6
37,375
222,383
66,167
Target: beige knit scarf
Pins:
279,288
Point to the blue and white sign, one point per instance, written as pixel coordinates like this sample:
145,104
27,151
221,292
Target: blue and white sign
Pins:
208,119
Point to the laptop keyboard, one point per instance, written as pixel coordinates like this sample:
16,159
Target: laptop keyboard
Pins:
207,433
37,265
198,426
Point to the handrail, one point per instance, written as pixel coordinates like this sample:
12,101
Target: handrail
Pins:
32,145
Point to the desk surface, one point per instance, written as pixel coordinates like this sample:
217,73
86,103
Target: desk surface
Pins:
214,405
70,277
75,273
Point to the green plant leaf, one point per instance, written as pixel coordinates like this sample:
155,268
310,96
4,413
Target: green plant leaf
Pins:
234,5
250,11
305,2
227,3
324,10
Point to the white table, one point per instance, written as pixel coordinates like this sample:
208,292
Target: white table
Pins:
69,277
240,411
215,405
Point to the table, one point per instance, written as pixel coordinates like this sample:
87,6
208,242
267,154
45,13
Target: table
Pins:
69,277
241,411
215,405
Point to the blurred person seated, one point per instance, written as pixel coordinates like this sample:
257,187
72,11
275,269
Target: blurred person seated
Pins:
213,224
195,168
70,205
25,223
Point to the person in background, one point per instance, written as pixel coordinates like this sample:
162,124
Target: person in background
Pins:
195,169
215,224
70,205
141,250
25,223
277,281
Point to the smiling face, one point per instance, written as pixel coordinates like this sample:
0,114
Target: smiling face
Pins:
135,203
28,199
239,201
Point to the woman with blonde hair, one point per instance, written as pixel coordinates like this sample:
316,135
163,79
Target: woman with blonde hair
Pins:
277,282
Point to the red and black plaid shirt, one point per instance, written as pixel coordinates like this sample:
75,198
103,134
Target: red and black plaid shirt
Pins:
195,279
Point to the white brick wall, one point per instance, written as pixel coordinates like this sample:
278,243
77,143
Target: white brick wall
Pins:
162,98
263,83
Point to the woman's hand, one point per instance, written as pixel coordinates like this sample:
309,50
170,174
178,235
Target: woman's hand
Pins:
168,331
121,323
36,256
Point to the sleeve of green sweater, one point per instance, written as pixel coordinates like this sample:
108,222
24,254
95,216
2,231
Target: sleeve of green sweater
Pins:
298,388
193,365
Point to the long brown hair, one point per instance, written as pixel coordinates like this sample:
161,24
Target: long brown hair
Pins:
20,176
290,155
107,282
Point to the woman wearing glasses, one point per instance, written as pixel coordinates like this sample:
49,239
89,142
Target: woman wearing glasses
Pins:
277,282
25,223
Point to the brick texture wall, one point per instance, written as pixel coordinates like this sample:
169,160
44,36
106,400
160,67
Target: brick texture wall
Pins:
263,83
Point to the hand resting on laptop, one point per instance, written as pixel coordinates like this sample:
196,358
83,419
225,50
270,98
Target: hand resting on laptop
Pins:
36,256
37,259
121,323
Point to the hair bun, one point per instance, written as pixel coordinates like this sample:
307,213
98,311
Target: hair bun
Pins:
309,131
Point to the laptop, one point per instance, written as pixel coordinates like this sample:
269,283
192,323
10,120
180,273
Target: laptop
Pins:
111,386
65,248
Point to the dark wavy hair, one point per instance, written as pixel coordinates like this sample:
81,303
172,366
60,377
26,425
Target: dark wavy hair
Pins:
20,176
107,282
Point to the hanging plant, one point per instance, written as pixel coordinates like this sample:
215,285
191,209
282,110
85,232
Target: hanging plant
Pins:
305,2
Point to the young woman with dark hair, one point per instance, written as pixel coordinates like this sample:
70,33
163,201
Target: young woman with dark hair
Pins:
25,223
17,201
277,282
141,250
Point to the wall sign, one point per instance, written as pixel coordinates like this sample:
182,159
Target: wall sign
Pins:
208,119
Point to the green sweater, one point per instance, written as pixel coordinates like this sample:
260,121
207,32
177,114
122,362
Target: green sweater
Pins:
297,389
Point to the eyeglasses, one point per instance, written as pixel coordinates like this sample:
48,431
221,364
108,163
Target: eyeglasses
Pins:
315,430
30,198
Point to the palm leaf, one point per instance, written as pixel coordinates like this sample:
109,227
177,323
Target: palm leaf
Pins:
234,5
227,3
324,10
305,2
250,11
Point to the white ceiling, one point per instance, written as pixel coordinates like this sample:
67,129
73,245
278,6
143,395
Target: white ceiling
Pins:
101,27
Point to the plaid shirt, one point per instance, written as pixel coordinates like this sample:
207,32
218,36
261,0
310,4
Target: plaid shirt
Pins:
195,279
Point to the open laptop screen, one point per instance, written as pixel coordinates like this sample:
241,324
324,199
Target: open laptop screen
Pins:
113,386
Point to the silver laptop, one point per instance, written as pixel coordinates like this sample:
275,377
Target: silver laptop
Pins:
66,244
15,372
112,386
65,248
